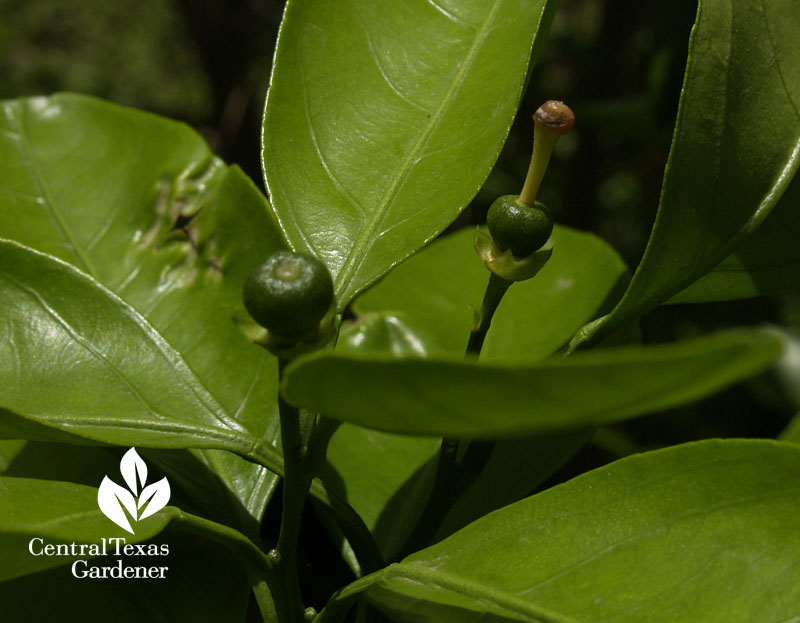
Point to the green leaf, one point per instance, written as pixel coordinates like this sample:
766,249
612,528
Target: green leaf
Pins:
204,583
456,398
194,488
388,332
767,262
387,478
516,467
80,364
700,532
735,150
383,120
61,462
437,290
66,513
62,512
142,205
107,376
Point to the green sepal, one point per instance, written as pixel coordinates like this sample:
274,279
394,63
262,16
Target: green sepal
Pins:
282,349
504,264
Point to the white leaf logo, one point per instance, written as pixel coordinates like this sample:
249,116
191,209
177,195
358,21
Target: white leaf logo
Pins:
114,500
131,465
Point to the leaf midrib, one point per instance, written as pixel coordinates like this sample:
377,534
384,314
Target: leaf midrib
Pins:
16,115
462,586
364,240
226,423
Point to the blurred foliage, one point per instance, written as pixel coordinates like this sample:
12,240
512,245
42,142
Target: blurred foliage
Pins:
203,62
123,51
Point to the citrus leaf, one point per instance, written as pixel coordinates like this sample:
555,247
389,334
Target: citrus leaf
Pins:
383,119
204,582
80,364
439,288
735,150
499,398
767,262
141,204
700,532
63,512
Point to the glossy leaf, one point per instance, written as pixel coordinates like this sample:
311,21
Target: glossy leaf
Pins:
391,503
81,364
385,478
701,532
398,333
765,263
456,398
114,380
438,289
734,152
383,119
142,205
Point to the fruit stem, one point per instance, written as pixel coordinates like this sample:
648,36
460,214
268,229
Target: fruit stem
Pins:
551,120
495,290
454,477
301,462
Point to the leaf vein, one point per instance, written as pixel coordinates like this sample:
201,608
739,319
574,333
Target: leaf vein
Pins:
395,89
48,200
365,238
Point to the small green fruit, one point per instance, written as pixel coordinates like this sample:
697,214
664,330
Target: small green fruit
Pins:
289,294
517,226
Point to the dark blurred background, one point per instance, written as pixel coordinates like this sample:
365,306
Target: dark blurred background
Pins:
618,63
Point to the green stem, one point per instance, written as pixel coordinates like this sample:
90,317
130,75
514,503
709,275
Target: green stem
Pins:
303,455
495,290
349,521
294,497
452,478
264,577
478,452
266,604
